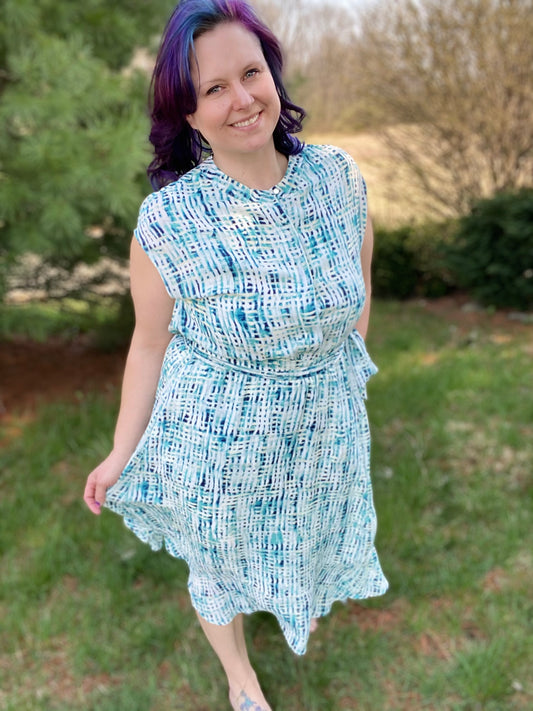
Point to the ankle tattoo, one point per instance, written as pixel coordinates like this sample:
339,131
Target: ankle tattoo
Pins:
246,704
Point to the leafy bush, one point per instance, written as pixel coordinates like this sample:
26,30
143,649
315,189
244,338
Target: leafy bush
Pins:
394,270
492,256
409,261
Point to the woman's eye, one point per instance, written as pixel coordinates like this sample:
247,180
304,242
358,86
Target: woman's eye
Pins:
251,73
213,89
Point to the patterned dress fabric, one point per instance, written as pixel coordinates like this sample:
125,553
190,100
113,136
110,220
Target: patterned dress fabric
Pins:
254,467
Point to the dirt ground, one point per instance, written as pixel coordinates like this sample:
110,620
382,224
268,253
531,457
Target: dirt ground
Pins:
32,373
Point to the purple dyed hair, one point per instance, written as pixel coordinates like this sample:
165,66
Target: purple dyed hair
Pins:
177,147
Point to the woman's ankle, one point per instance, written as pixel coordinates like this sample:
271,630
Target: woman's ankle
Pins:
247,694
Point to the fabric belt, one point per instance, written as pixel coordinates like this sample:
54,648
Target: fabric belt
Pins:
326,362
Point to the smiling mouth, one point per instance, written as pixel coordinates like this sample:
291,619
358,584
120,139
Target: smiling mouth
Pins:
248,122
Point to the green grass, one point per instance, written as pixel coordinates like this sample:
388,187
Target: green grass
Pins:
66,319
93,620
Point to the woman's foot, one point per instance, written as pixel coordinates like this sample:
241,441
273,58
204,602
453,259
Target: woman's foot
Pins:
314,624
249,697
244,703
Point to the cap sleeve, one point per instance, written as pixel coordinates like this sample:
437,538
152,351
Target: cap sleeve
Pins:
155,231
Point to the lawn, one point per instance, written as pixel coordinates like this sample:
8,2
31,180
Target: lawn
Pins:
92,620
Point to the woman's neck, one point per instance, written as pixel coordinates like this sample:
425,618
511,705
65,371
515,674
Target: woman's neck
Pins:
259,172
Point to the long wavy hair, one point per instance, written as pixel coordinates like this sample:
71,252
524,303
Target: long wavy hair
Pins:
177,146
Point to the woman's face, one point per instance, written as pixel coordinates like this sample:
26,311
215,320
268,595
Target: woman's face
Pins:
238,106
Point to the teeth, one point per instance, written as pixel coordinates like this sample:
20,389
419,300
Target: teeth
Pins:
249,122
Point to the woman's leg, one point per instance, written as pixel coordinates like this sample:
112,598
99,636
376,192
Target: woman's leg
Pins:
229,645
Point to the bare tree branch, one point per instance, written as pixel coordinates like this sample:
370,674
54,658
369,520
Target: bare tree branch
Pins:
457,75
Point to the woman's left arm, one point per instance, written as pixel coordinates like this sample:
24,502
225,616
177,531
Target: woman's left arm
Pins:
366,262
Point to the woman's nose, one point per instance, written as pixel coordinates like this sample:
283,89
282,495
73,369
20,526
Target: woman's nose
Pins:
241,98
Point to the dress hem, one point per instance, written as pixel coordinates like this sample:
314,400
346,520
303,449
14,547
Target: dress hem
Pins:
295,642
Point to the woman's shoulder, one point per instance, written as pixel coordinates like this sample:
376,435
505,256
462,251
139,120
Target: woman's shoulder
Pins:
327,154
160,211
171,197
332,163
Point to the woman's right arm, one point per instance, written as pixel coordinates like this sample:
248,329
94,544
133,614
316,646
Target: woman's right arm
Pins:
153,312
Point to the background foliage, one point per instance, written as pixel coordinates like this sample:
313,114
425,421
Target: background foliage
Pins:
457,77
448,86
492,256
412,261
72,126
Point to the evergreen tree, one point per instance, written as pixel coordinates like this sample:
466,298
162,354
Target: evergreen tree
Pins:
73,126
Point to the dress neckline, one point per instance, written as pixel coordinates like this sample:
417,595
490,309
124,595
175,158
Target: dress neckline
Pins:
235,187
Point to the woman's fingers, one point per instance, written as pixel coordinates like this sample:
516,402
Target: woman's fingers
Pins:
94,494
100,480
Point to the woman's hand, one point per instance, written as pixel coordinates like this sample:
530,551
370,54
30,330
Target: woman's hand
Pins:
99,480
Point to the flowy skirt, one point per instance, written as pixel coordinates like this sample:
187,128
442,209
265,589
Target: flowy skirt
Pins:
261,484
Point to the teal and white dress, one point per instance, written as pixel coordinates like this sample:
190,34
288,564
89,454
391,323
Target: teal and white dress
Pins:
254,467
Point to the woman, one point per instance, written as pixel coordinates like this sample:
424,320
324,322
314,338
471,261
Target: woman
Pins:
242,441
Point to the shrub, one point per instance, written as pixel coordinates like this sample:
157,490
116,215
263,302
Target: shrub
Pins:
409,261
492,256
394,273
